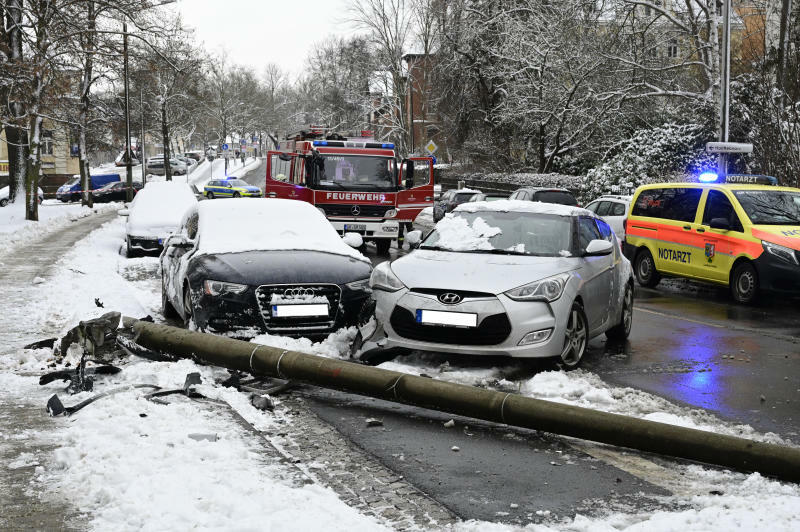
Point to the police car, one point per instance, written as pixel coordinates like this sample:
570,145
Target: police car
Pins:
742,232
230,188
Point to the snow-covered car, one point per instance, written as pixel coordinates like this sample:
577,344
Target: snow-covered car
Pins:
614,210
154,214
155,166
264,265
506,278
488,196
4,194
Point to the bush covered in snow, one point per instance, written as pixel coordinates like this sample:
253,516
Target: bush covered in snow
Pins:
525,179
669,152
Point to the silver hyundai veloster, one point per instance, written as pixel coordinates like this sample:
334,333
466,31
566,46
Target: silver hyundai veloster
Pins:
507,278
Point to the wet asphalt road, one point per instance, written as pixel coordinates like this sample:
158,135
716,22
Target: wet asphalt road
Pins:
690,344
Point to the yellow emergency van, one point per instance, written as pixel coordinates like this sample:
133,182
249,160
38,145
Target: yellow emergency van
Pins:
743,233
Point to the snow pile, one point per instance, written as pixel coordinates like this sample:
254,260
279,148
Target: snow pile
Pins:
533,207
15,229
235,225
457,234
336,345
523,179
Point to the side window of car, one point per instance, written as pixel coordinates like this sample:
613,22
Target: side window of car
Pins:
719,206
617,209
603,209
593,206
605,230
670,203
587,231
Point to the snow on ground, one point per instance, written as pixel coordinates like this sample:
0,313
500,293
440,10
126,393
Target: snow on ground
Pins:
15,229
131,464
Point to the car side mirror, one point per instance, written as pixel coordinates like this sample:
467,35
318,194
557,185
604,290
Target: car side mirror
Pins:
414,238
180,242
438,212
354,240
599,247
720,223
123,212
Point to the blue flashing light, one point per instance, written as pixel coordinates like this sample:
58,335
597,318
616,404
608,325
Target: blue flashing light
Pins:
320,143
708,177
387,145
434,159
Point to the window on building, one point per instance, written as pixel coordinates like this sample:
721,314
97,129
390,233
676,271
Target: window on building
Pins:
47,142
672,48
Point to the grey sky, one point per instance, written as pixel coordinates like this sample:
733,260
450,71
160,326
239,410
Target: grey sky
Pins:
256,32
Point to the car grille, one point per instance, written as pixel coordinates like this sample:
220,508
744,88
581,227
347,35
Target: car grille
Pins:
492,330
465,294
370,211
264,295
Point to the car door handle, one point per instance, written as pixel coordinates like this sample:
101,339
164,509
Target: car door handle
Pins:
687,227
428,198
701,230
272,195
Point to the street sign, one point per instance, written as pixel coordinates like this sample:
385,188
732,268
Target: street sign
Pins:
242,141
728,147
225,147
431,147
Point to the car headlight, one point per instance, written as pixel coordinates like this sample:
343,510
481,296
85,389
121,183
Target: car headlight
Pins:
218,288
360,285
391,213
782,252
548,289
383,278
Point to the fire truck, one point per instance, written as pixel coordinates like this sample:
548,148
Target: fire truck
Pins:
359,184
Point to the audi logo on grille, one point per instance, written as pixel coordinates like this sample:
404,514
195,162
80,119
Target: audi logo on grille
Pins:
298,293
450,298
356,210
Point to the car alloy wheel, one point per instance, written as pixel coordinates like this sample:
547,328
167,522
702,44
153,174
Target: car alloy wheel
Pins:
621,330
210,195
575,337
237,195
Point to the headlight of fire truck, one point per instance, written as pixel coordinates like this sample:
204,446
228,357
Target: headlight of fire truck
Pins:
391,213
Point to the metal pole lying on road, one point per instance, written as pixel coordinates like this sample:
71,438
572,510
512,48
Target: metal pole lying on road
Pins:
512,409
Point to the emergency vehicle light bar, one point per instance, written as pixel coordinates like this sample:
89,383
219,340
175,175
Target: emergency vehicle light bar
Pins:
738,179
350,144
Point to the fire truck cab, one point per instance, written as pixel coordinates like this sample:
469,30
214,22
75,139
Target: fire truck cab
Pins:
359,184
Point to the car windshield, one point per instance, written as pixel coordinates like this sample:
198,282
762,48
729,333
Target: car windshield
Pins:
237,183
504,233
770,207
113,184
72,182
355,172
555,196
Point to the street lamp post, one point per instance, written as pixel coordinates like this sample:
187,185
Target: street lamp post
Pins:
722,161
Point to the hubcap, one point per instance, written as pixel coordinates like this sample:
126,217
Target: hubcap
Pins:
746,283
574,339
644,268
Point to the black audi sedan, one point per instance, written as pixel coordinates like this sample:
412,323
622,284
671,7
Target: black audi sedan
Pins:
264,266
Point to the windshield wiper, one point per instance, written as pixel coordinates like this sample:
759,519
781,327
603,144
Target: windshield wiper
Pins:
499,252
436,248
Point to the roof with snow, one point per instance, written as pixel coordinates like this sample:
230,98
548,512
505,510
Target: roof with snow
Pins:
534,207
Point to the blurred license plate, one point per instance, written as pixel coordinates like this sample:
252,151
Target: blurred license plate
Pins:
293,311
355,227
457,319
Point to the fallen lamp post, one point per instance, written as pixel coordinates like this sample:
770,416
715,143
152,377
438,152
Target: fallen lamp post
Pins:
741,454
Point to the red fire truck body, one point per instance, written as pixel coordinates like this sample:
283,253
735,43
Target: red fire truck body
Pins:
356,183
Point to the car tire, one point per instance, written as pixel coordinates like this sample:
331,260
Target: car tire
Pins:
383,246
237,195
188,310
645,269
210,195
76,198
3,202
167,310
576,338
130,252
621,330
744,283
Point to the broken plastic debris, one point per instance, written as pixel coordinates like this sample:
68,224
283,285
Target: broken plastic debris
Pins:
455,448
449,424
372,422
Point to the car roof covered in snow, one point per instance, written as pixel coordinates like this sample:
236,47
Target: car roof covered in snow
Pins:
161,203
265,224
534,207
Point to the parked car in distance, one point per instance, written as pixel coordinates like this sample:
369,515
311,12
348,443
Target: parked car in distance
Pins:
154,214
488,196
114,191
230,188
450,200
197,155
560,196
71,190
614,210
188,161
507,278
293,275
4,194
155,166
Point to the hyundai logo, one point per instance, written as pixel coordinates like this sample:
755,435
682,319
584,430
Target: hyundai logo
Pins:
450,298
298,293
356,210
